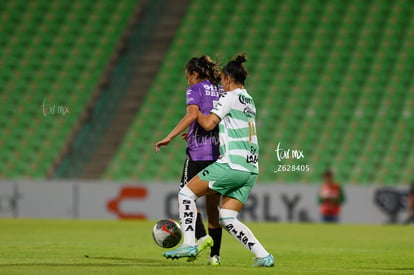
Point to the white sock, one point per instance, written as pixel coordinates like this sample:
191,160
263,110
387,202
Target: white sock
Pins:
188,214
228,219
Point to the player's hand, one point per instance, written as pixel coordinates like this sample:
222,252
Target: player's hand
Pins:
162,143
184,136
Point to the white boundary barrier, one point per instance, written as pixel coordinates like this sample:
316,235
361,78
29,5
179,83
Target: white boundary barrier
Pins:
109,200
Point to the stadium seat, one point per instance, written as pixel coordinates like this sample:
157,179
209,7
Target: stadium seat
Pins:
332,78
321,73
54,51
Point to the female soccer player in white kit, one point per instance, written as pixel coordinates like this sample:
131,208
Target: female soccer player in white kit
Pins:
234,174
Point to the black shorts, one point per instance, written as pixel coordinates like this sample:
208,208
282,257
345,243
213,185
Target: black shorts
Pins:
192,168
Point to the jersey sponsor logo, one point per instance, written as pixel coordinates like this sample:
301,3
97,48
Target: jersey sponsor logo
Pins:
249,112
252,156
211,90
212,93
245,100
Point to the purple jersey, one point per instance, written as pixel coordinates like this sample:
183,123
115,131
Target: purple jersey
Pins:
202,144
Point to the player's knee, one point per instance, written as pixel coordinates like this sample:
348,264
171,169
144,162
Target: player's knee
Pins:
186,193
227,216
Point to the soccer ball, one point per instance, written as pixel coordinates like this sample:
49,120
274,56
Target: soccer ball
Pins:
166,233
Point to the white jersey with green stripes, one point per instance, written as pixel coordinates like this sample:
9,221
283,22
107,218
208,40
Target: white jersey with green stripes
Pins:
237,131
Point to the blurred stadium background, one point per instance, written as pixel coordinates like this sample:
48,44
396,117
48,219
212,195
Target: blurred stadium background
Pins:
88,87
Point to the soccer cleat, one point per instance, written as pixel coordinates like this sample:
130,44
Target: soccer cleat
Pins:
181,252
267,261
202,244
215,260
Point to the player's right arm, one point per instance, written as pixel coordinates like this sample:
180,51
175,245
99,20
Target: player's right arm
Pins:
208,122
220,110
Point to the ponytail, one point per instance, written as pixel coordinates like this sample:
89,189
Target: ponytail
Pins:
206,69
236,69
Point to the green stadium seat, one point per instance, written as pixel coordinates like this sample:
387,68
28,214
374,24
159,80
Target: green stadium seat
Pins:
331,77
40,62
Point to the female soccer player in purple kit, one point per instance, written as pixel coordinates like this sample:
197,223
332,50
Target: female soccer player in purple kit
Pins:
203,76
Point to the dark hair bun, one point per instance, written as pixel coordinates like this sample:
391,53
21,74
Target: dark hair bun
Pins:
241,58
206,58
236,69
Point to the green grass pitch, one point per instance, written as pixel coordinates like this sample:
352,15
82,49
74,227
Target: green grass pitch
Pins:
126,247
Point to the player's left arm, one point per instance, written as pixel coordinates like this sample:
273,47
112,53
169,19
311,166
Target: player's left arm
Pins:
185,122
